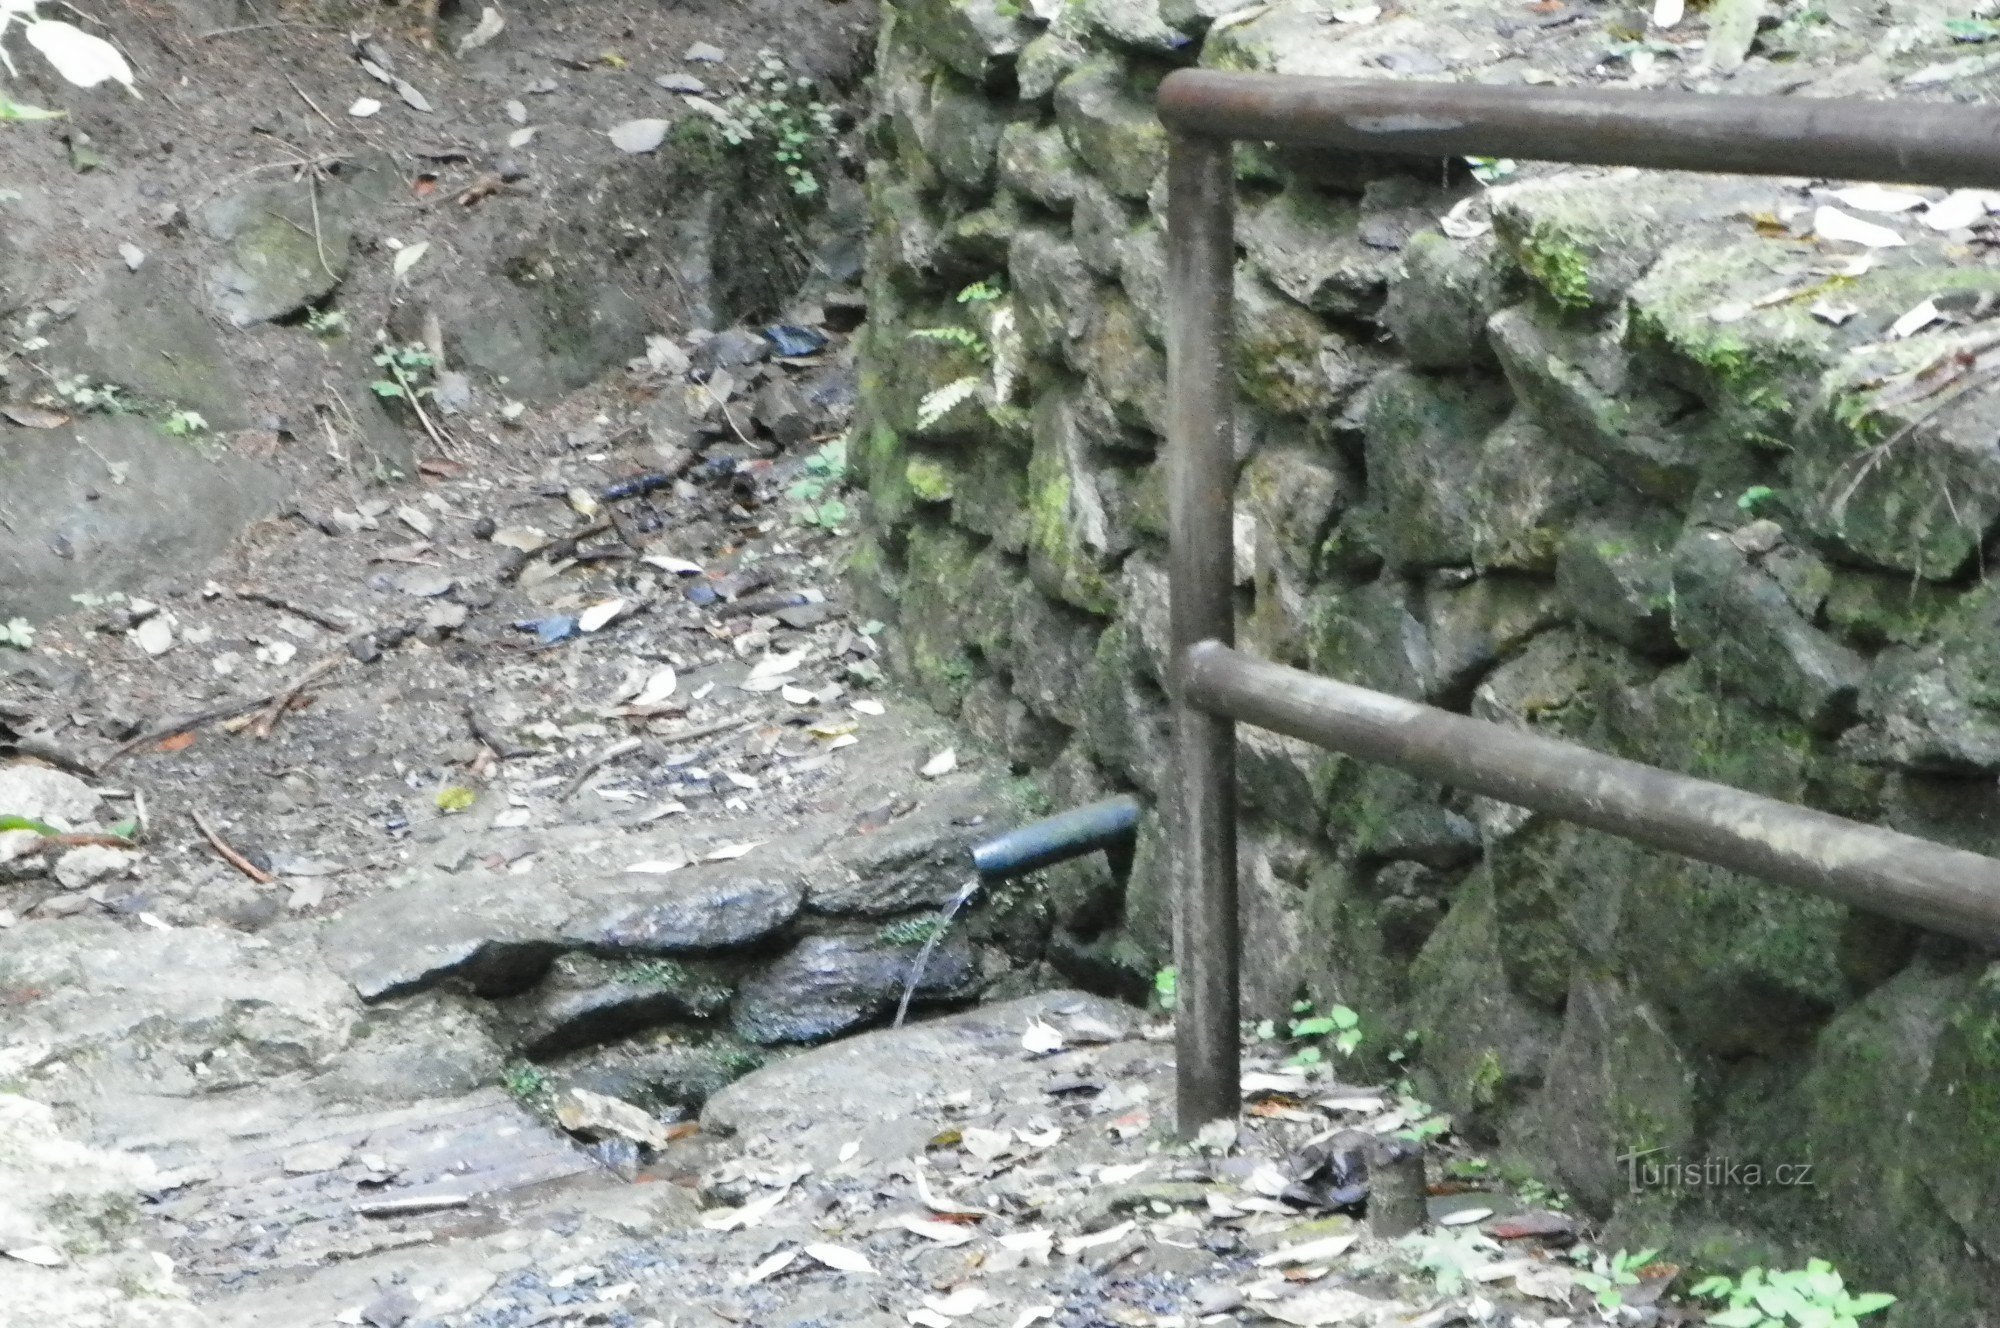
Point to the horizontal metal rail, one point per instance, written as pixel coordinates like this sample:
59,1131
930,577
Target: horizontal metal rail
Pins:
1213,685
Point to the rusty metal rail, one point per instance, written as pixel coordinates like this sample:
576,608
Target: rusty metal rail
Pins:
1214,685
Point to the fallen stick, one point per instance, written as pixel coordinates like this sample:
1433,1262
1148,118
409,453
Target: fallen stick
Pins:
709,730
201,719
297,610
485,734
283,700
596,763
230,855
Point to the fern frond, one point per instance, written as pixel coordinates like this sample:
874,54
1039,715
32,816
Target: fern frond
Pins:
944,400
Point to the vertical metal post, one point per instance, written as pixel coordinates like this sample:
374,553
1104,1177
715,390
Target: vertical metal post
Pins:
1201,202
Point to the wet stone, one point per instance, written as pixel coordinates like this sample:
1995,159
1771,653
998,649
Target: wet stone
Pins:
830,985
699,914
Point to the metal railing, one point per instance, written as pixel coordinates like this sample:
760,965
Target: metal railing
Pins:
1213,685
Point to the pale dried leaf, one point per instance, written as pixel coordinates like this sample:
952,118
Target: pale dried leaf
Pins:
1915,321
1465,1217
749,1215
78,56
730,852
1959,209
599,614
1830,223
773,666
966,1300
938,1205
986,1145
1074,1245
942,1233
640,136
658,687
1667,13
840,1257
1039,1039
491,24
942,764
409,256
1313,1251
771,1267
1875,198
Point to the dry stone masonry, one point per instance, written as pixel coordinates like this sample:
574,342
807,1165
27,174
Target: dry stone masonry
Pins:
1654,463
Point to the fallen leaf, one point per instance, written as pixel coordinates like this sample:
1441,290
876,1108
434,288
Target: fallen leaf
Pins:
134,256
1464,1217
491,24
1827,311
1074,1245
180,742
1830,223
640,136
599,614
1119,1173
1959,209
1313,1251
840,1257
34,417
774,666
42,1256
966,1300
986,1145
937,1205
867,706
1039,1039
1036,1313
798,696
749,1215
943,1233
1874,198
770,1267
1915,321
1667,13
455,798
923,1318
730,852
850,1150
364,107
658,687
409,256
940,765
660,866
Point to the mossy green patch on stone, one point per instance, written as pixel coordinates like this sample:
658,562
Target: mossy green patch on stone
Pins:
928,480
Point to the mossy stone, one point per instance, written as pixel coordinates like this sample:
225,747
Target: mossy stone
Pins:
1110,124
978,39
1035,161
1439,301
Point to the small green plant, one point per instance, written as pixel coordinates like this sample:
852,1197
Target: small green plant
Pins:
1534,1194
17,634
1755,498
661,973
912,931
97,398
1166,987
776,109
826,473
1452,1258
1491,170
1338,1022
1812,1297
1608,1275
524,1082
997,346
408,368
328,323
184,424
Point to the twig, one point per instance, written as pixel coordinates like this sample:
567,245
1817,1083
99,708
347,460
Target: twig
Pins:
201,719
310,102
283,700
554,551
48,754
297,610
499,746
423,417
708,730
596,763
230,855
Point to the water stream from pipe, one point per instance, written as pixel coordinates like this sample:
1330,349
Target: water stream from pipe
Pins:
923,959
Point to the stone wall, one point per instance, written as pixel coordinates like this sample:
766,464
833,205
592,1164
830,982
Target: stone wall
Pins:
1598,454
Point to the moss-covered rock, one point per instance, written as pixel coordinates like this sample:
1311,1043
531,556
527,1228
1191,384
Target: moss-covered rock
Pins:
1615,577
1615,1087
1578,386
1483,1048
1307,244
1110,125
1073,545
1134,25
1045,62
1098,222
979,39
1426,439
1936,708
1128,373
965,129
1442,296
1476,625
1751,638
1057,643
1054,292
1125,715
1281,354
1036,162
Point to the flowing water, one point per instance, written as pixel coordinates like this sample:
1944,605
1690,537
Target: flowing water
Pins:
923,959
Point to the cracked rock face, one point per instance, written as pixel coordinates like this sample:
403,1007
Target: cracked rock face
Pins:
720,909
